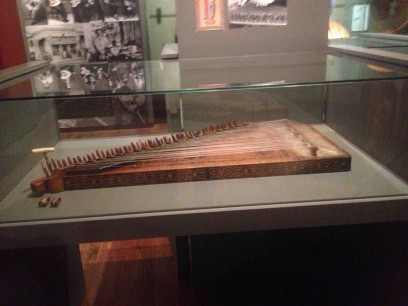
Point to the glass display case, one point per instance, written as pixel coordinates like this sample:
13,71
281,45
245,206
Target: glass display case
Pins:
374,29
256,142
359,105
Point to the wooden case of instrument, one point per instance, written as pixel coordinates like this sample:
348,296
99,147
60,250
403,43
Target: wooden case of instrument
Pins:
231,151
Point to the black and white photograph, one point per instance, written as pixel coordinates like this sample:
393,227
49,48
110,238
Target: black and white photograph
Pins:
113,41
34,12
77,7
66,77
92,11
245,13
58,12
55,43
96,77
76,31
69,79
60,79
115,10
47,82
127,77
130,110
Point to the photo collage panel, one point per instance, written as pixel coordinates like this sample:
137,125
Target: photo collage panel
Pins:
75,31
85,78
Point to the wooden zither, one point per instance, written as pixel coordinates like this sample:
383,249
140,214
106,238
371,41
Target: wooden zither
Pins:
272,148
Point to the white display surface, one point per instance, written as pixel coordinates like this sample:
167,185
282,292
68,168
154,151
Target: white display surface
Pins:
175,203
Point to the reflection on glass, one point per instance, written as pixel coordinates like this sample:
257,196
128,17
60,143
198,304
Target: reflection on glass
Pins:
337,30
390,17
216,74
377,16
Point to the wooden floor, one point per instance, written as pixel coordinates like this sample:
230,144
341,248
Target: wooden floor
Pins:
144,272
136,272
347,266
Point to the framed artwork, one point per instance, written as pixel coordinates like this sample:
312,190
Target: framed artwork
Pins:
246,13
209,15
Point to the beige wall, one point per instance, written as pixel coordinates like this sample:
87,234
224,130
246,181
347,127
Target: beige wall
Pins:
306,31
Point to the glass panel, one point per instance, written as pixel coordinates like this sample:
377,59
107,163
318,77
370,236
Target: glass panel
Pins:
24,126
161,77
301,103
356,17
374,117
368,114
377,29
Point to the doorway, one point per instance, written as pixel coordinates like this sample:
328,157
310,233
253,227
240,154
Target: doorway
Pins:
161,25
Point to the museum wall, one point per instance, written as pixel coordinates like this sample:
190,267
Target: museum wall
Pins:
11,47
306,30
